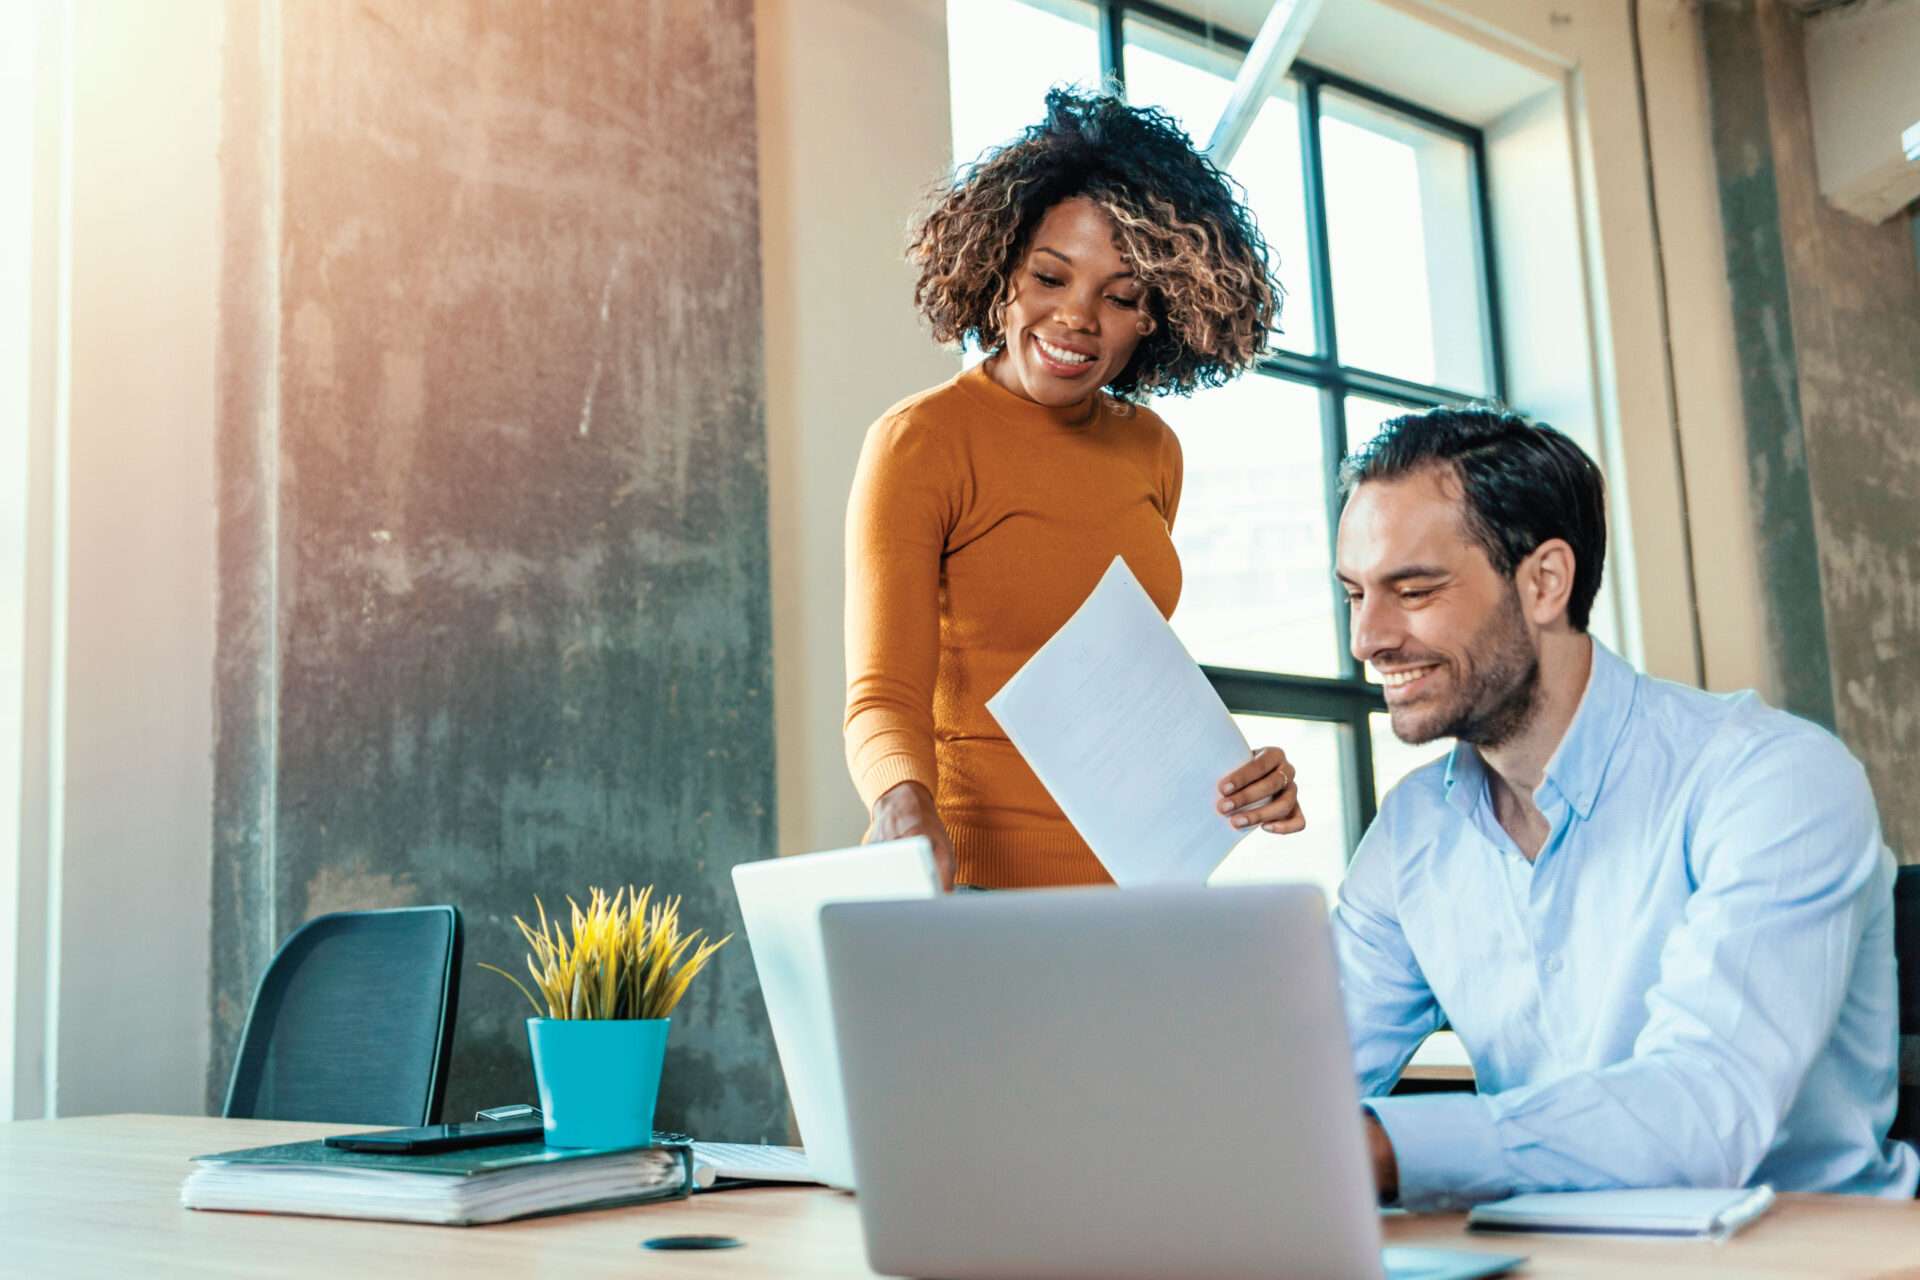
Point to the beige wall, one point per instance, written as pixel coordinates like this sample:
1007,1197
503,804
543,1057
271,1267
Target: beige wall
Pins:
17,357
854,125
140,574
1705,370
115,810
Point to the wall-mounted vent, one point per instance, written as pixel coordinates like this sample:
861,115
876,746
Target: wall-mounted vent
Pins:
1860,74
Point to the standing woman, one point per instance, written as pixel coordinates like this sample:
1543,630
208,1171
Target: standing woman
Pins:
1099,260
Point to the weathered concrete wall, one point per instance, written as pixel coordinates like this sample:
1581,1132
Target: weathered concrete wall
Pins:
1782,494
1829,315
494,487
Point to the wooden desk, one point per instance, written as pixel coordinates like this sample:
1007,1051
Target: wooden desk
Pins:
1440,1060
100,1197
1440,1073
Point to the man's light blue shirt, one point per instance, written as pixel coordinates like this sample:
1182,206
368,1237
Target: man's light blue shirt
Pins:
1692,984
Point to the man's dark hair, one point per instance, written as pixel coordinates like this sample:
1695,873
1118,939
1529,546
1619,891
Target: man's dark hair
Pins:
1522,484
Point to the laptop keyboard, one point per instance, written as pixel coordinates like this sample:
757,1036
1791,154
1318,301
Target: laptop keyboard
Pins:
751,1162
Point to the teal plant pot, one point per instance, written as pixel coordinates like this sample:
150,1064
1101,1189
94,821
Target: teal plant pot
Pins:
598,1080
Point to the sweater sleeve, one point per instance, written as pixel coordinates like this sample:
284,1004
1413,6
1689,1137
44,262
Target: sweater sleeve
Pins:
898,519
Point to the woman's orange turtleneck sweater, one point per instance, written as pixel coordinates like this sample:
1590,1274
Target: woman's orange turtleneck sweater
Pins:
979,521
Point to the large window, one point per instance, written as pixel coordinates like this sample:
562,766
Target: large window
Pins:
1374,208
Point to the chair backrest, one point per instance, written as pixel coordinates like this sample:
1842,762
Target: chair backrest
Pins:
1906,950
353,1021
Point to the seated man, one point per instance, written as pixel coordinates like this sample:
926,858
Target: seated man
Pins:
1660,920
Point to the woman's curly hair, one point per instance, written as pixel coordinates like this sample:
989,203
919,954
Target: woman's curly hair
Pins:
1177,220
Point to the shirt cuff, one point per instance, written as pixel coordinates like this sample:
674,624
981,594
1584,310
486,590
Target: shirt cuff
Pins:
1446,1148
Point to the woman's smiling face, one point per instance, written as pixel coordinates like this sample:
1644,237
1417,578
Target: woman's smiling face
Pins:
1076,312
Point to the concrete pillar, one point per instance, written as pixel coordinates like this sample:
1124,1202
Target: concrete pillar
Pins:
494,611
1828,326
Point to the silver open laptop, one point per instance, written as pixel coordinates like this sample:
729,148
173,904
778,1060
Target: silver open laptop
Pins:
1076,1083
780,901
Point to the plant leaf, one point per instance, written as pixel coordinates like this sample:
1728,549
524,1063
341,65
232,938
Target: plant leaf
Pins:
516,982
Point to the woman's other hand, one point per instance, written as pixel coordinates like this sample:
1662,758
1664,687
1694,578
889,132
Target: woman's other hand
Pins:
1261,791
906,809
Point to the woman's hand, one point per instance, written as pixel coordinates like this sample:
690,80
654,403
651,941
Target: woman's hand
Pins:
906,809
1262,791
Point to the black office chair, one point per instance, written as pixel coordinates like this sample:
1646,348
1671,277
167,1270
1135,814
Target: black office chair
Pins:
1906,951
353,1021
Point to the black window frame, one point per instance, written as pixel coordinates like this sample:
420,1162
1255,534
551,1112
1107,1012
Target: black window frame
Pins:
1349,700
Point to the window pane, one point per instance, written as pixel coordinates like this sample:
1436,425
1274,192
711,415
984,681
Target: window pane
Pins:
1188,80
1406,260
1365,417
1192,81
1252,528
1003,56
1394,759
1317,855
1268,164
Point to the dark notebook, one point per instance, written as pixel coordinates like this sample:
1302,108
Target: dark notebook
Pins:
450,1188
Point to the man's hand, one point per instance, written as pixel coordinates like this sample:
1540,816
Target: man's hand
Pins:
1262,791
906,809
1386,1170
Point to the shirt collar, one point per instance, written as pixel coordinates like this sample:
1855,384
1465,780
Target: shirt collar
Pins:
1466,777
1579,763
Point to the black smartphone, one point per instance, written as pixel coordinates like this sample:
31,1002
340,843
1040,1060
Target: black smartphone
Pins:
439,1137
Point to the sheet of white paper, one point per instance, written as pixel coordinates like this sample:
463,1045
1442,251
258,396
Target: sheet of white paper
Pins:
1122,727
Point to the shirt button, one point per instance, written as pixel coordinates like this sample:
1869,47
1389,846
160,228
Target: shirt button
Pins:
1553,964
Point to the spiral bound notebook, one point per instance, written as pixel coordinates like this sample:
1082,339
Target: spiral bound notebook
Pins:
1712,1213
469,1187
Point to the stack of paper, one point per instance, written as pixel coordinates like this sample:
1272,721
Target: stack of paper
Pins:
452,1188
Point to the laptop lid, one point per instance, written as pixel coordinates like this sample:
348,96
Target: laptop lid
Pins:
1154,1082
780,901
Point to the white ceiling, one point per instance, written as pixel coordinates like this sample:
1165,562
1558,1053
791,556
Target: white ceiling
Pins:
1385,45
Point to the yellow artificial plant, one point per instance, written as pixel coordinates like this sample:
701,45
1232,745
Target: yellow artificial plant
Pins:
625,958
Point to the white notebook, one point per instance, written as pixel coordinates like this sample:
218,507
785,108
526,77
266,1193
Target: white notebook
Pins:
719,1163
1711,1213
